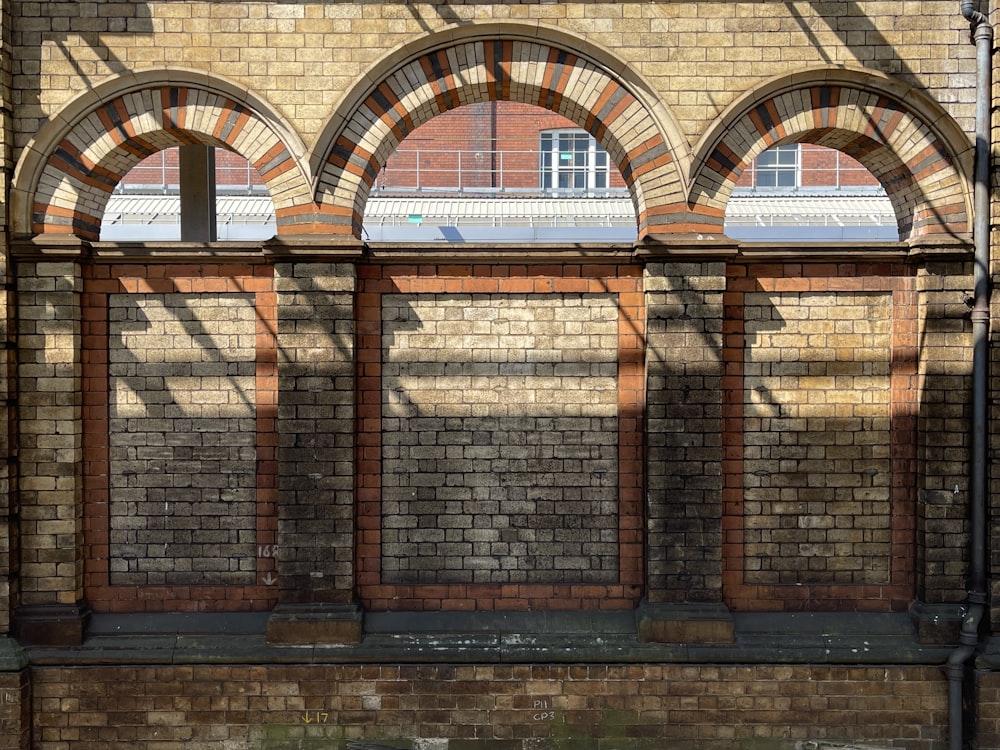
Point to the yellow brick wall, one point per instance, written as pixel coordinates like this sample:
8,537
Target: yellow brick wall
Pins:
817,435
303,58
691,62
491,706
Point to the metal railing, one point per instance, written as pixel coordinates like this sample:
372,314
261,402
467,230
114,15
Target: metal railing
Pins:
841,175
160,175
423,171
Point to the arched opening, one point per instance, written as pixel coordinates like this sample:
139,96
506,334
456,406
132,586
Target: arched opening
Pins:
147,204
67,174
916,155
639,135
500,171
804,192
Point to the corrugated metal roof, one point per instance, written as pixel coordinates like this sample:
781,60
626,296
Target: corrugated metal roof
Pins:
138,208
865,210
416,218
500,211
146,209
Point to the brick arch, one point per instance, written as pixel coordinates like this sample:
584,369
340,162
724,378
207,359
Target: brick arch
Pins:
889,130
69,171
502,67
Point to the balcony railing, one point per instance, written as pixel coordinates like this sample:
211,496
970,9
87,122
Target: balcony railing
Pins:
458,172
435,171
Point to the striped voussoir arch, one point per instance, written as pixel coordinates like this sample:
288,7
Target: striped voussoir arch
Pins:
475,71
912,163
100,149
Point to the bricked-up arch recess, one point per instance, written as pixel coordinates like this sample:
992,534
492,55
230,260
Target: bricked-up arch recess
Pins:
911,161
88,162
530,72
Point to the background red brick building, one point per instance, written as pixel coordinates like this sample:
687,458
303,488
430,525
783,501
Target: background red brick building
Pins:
492,164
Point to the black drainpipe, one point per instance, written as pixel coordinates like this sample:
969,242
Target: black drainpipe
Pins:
982,34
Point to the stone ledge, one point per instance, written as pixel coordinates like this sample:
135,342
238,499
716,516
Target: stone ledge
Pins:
501,623
13,656
511,638
937,623
292,624
51,624
685,623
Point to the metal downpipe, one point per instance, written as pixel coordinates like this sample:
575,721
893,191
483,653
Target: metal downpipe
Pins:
982,33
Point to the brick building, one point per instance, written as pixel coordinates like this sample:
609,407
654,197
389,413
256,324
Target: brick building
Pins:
501,166
311,490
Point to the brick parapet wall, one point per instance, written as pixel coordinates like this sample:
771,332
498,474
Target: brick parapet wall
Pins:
324,341
704,373
488,707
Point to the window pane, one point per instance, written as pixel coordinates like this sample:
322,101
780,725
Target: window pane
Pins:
778,167
767,159
786,178
787,157
576,162
767,178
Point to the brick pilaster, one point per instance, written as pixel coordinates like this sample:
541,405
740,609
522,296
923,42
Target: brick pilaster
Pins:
684,341
945,368
51,607
8,485
684,303
315,453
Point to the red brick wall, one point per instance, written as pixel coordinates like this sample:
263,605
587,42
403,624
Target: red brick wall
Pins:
823,168
162,169
494,144
468,129
460,139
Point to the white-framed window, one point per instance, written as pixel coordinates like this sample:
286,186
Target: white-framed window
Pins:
779,167
571,161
